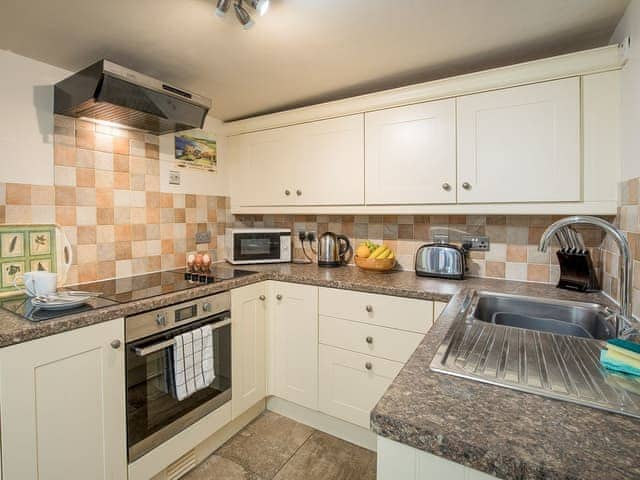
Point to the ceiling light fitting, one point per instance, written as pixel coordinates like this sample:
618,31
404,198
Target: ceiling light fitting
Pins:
260,6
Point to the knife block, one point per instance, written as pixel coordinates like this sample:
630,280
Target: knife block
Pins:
577,272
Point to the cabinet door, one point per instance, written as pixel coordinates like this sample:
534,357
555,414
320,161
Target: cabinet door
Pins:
330,161
62,406
520,144
263,166
295,346
248,307
352,383
411,154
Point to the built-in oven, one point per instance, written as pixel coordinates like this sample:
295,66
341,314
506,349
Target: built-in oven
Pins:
154,413
257,245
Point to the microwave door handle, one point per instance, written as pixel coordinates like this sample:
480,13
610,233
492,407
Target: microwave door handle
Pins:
156,347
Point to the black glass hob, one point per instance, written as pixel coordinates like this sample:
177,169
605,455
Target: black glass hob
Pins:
124,290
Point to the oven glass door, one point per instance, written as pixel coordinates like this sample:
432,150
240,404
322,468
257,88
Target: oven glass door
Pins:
256,246
153,413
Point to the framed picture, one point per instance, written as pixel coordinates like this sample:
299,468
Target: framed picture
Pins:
41,265
12,244
196,152
40,243
12,271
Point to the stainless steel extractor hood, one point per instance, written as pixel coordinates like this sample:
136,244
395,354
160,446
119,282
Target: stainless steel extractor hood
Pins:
108,92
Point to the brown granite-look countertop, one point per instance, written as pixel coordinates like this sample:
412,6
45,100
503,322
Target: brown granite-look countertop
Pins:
14,329
503,432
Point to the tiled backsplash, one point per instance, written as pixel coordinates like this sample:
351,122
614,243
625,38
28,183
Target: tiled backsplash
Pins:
513,254
108,202
629,222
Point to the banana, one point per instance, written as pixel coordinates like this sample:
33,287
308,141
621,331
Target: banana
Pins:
391,256
384,254
378,251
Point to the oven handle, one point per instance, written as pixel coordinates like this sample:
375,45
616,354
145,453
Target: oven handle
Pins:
156,347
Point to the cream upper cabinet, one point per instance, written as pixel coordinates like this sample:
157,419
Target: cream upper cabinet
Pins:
62,406
410,154
315,163
520,144
263,167
294,325
330,161
249,310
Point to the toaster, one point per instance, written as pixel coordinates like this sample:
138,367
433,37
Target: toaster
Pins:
441,260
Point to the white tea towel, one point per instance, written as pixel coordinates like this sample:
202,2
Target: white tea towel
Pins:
193,361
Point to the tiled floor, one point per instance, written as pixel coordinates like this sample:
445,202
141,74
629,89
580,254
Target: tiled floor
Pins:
278,448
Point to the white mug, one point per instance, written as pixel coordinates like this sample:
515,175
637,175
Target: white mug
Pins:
40,283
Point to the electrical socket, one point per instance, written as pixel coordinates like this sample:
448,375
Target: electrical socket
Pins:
476,242
203,237
310,236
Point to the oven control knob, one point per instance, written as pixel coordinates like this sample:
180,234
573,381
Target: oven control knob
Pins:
161,319
206,307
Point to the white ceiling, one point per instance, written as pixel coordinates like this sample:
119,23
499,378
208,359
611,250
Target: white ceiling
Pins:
302,51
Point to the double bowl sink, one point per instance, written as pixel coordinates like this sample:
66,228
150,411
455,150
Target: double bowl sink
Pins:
547,347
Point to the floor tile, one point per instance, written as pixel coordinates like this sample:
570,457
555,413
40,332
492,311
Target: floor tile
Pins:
219,468
266,444
324,457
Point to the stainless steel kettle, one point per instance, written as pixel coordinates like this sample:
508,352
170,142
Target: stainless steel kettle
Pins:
333,250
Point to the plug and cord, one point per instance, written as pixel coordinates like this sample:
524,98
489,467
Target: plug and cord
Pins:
310,237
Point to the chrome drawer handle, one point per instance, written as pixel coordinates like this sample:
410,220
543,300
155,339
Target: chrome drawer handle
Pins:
287,192
368,366
466,186
369,340
369,308
278,297
262,297
446,186
298,192
115,344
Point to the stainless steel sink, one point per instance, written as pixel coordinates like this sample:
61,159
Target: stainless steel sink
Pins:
585,320
546,347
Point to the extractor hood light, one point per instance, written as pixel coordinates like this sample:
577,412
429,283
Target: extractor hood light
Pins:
222,7
260,6
243,16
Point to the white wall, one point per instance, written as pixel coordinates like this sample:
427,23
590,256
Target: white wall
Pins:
630,86
193,180
26,119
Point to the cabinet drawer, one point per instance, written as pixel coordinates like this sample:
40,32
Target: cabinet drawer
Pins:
383,310
352,383
381,342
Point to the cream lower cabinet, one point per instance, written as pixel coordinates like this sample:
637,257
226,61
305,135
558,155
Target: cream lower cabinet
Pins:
62,406
294,346
365,340
249,310
397,461
352,383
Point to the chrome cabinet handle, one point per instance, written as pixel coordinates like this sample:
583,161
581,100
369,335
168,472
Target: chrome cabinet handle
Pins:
287,192
368,366
115,344
278,297
298,192
369,308
262,297
466,186
369,340
446,186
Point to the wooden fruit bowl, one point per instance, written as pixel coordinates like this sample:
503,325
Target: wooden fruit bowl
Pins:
375,264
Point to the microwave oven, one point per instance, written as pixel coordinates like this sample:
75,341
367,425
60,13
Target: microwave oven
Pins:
257,245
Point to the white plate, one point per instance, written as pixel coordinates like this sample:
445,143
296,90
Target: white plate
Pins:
73,302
